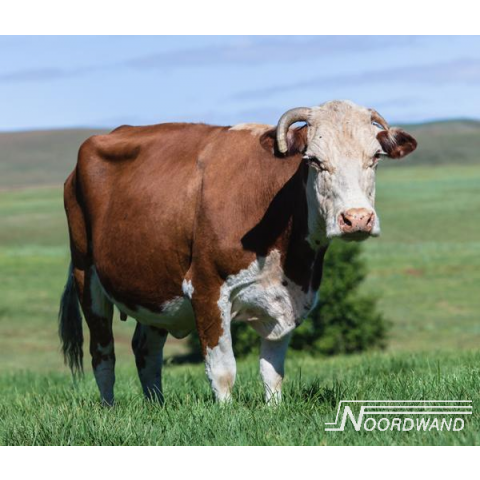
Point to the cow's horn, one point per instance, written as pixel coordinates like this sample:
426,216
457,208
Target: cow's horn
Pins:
288,118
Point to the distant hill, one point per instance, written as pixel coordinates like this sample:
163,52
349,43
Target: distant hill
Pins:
39,157
446,142
47,157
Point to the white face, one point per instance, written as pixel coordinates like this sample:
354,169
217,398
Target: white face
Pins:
343,152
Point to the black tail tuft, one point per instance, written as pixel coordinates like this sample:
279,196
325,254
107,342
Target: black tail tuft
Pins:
70,327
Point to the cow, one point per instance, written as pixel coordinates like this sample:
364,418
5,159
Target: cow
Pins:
190,226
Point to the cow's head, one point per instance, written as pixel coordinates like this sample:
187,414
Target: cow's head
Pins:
342,144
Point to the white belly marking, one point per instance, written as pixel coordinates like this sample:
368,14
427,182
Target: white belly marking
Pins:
176,315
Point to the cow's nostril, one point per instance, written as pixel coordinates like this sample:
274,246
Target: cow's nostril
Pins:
345,220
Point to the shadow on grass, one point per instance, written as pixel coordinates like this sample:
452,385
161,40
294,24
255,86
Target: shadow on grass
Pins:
194,358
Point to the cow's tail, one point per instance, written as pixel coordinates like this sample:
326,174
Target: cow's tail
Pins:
70,327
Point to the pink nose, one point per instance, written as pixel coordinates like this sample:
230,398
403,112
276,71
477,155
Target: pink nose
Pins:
356,220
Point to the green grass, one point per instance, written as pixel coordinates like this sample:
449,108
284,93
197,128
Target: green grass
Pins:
45,409
425,268
426,265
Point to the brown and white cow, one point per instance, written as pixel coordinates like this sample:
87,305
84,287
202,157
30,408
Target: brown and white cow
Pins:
185,226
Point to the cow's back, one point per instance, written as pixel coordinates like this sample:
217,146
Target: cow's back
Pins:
139,188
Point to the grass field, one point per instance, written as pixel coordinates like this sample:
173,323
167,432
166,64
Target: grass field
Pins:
425,268
44,409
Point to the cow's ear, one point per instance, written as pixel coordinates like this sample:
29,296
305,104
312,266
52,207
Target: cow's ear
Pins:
296,141
396,143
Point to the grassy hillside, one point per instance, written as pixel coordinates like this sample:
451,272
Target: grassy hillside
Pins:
445,143
39,157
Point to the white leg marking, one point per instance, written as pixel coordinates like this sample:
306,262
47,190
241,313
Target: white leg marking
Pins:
221,367
272,360
220,362
263,295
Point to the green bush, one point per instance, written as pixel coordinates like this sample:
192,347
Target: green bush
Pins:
343,320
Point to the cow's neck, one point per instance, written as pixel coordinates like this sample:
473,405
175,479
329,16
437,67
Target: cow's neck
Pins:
286,225
306,241
317,237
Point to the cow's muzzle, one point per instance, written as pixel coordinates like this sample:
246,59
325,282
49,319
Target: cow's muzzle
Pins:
356,221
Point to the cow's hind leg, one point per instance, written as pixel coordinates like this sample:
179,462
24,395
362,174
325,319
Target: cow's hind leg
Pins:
272,361
98,312
147,345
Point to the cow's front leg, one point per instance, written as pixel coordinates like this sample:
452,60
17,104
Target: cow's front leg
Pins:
213,326
221,367
272,361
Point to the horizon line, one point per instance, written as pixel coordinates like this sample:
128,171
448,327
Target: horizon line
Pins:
92,127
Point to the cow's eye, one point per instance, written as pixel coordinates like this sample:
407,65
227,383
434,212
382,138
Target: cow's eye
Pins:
315,163
376,158
379,155
378,125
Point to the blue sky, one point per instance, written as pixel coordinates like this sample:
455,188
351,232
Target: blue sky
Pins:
62,82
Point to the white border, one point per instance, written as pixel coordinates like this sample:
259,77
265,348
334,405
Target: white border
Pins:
247,17
290,463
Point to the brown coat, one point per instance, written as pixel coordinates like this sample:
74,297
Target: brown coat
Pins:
152,206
